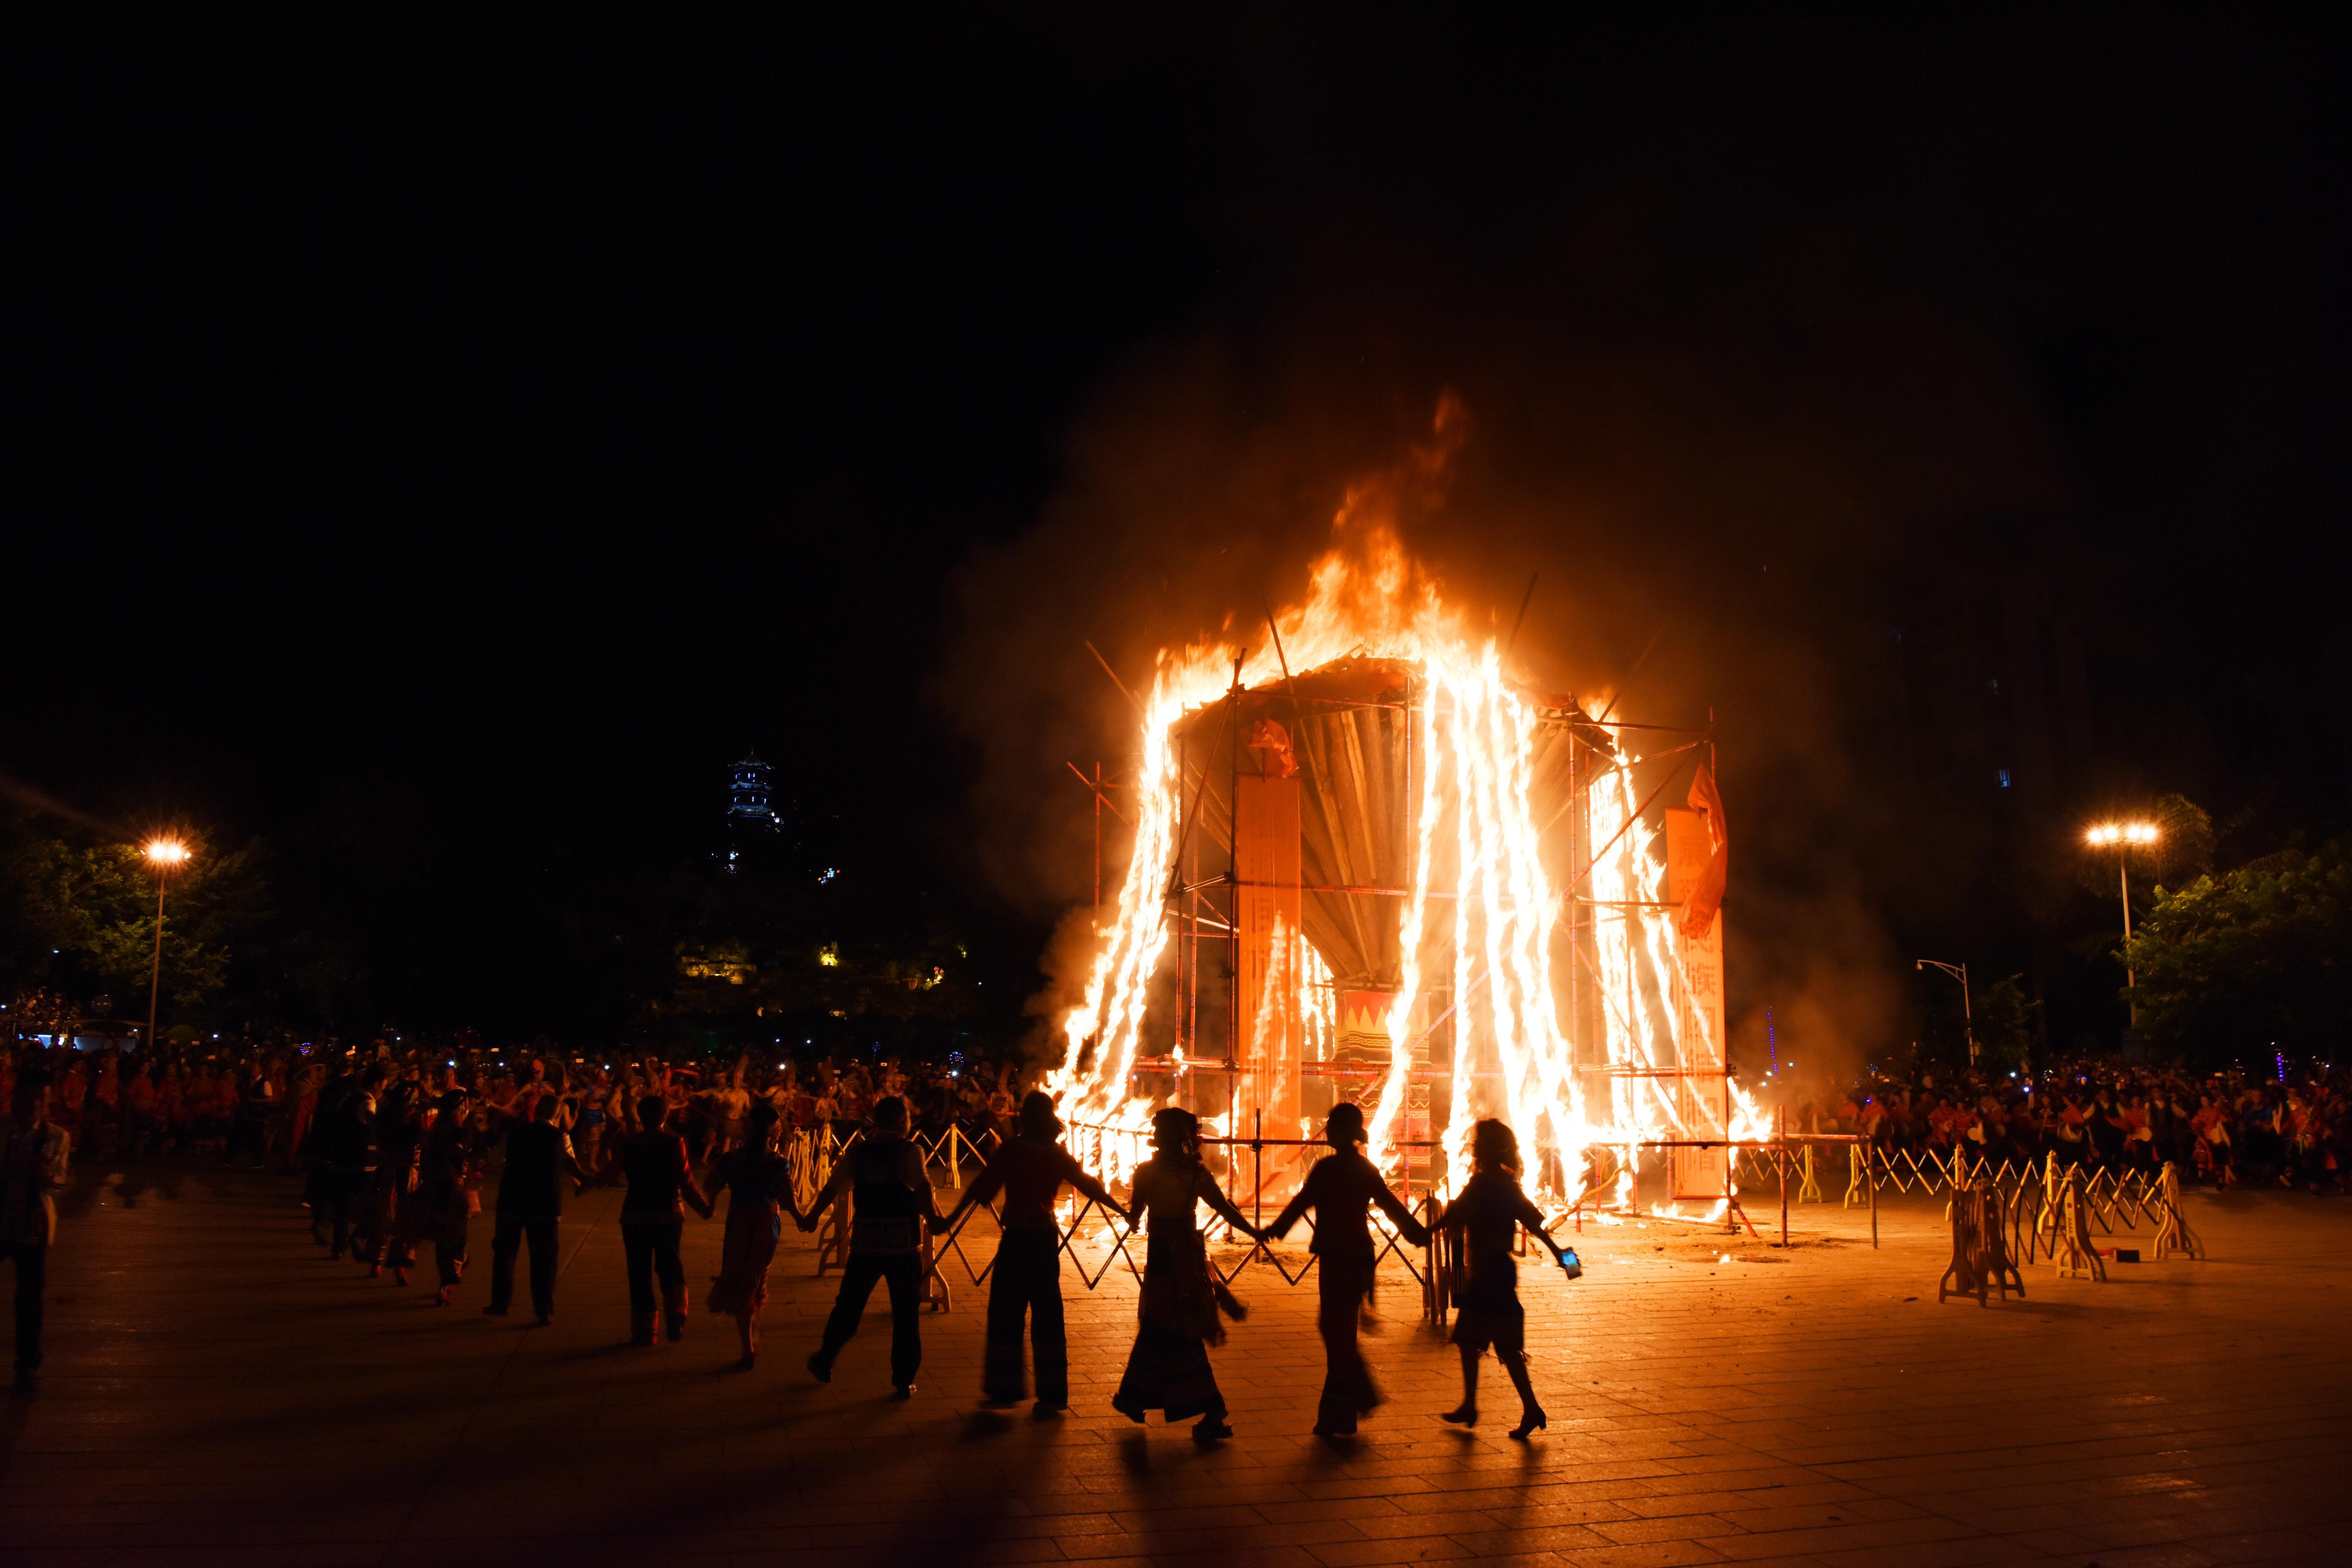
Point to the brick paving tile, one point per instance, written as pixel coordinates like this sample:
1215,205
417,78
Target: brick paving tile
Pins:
1357,1510
1648,1554
217,1391
2267,1546
1682,1527
1977,1551
2172,1554
1400,1525
1396,1548
1510,1537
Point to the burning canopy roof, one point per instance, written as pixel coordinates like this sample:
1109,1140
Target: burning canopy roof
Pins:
1343,729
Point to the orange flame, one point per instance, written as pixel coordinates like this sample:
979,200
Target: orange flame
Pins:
1473,822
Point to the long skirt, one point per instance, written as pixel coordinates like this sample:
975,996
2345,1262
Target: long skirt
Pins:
1169,1368
740,1286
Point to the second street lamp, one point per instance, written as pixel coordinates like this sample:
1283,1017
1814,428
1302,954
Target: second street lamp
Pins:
1968,1017
2121,837
166,855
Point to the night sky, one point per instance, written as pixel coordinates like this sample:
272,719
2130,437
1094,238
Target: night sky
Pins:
442,466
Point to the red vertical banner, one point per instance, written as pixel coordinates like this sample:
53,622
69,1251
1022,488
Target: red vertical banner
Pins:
1702,1093
1268,1033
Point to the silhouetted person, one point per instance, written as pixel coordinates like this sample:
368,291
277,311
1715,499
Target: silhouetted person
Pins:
440,1211
1177,1317
1027,1281
1341,1190
1488,1213
653,1217
32,1154
531,1207
890,1201
759,1192
342,1143
248,1130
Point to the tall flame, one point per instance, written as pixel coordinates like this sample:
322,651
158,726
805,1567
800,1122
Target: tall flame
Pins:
1474,845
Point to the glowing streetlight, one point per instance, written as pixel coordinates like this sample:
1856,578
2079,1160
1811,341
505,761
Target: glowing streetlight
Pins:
2121,837
166,855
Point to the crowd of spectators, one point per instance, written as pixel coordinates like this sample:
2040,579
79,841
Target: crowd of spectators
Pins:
257,1100
2287,1129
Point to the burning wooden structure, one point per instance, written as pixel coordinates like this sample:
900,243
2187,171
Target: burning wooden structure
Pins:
1391,874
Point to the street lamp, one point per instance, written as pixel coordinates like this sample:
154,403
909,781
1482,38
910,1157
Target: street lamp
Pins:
1968,1018
2121,837
166,855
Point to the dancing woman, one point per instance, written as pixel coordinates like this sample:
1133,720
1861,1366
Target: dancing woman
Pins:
399,1145
1341,1190
758,1191
1488,1212
1169,1368
442,1204
1030,1171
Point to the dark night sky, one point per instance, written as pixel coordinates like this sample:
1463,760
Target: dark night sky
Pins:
443,468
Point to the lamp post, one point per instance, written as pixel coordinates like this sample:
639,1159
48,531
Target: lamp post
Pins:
165,855
2122,835
1968,1015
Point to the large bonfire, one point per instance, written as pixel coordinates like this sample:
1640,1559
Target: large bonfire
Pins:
1479,920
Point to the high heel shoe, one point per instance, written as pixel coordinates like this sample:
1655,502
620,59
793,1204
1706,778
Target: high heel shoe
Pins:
1531,1419
1467,1415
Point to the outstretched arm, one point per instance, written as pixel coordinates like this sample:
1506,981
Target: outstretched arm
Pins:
1309,1195
1206,1188
1531,1219
825,1198
986,1185
1414,1233
1088,1187
780,1187
688,1187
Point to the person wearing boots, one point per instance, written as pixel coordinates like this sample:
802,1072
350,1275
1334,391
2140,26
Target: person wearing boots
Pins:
1029,1170
1341,1190
1488,1214
32,1154
890,1201
530,1207
653,1217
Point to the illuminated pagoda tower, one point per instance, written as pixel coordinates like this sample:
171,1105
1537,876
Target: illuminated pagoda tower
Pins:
750,807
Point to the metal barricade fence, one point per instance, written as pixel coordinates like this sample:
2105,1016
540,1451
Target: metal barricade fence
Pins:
2029,1206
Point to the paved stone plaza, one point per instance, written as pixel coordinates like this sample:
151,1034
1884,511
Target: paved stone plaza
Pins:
218,1392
